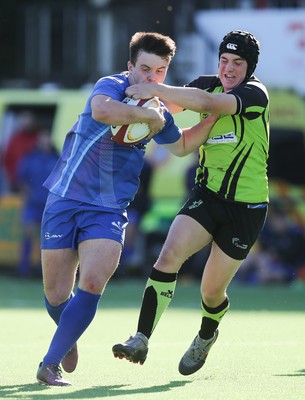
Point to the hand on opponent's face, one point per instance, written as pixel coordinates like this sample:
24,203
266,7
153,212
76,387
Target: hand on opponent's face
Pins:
140,91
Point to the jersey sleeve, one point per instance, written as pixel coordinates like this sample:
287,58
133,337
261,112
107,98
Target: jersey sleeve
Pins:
251,98
170,133
113,86
205,82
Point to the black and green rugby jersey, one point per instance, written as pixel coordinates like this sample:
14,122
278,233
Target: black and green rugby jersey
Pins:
233,161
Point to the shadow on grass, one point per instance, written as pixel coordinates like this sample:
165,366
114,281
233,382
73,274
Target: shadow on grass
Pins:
300,372
38,392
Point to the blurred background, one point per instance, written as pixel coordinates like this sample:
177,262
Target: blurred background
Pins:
52,53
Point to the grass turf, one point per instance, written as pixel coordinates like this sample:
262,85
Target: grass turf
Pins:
260,353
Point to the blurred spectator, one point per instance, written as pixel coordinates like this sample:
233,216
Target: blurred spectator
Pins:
3,177
21,142
134,248
279,252
32,171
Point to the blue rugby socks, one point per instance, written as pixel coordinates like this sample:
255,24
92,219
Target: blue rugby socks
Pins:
74,320
56,311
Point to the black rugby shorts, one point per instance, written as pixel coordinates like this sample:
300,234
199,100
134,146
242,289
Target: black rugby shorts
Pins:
235,227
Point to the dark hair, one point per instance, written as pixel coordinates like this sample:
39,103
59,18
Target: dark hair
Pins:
245,45
151,42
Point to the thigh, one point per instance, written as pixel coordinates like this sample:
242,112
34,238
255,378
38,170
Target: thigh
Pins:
185,237
59,270
58,227
218,273
66,223
239,231
98,260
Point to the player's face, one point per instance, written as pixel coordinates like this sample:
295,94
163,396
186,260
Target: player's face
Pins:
148,68
232,70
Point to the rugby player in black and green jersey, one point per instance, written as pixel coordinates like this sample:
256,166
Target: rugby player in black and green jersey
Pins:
229,202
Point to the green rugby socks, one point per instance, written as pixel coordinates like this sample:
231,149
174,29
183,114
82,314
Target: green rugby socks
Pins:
211,318
157,295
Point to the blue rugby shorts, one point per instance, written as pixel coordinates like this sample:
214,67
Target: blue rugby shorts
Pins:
66,223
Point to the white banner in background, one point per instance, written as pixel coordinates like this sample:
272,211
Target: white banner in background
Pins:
281,34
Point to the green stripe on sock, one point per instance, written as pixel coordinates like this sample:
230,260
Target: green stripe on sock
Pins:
156,298
216,316
165,292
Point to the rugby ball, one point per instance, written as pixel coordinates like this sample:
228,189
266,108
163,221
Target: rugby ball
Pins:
129,135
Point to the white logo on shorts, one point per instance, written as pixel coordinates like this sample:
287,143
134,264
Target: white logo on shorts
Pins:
195,204
236,242
120,227
48,236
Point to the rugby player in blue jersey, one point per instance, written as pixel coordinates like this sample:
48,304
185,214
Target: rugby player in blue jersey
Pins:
90,188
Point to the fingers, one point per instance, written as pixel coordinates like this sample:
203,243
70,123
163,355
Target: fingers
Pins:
212,118
156,127
130,92
138,91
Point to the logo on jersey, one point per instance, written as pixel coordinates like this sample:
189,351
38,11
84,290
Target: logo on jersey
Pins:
232,46
226,138
195,204
237,243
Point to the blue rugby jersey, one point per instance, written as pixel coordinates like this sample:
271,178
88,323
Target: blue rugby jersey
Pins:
92,167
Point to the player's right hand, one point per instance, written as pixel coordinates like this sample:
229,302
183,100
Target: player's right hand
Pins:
157,121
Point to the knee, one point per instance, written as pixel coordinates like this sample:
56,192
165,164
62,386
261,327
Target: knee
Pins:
212,296
56,295
92,287
94,283
56,299
168,261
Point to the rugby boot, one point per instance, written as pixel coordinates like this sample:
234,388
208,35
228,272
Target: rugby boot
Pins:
194,358
51,375
135,349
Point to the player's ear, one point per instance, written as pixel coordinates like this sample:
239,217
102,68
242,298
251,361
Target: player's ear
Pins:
129,66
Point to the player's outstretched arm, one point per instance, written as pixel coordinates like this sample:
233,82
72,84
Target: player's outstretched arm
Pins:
189,98
192,138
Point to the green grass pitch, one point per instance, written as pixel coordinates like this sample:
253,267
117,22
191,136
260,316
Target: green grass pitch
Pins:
260,353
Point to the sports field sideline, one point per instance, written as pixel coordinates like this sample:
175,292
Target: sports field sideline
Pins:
260,353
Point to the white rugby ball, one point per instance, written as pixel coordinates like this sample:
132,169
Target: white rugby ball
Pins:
128,135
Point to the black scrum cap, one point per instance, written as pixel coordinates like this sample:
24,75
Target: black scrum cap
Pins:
243,44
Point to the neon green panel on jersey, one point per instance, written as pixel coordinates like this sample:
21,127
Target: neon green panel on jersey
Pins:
233,161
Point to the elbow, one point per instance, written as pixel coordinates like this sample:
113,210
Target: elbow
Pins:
100,115
94,116
178,148
180,153
175,150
